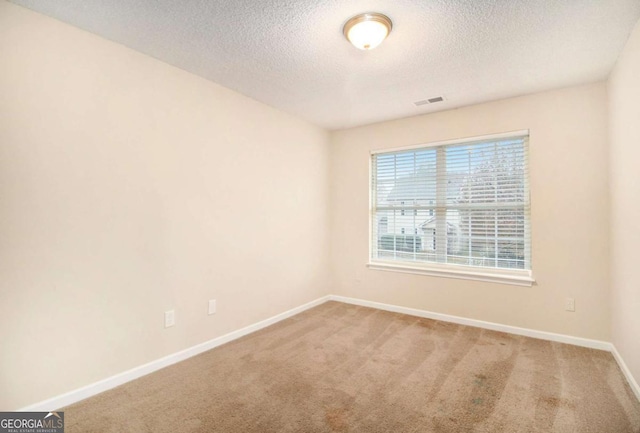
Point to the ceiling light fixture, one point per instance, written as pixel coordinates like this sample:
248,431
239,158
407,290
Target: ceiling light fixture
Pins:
367,31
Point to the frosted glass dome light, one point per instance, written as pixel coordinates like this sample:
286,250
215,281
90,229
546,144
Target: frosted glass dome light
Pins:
367,31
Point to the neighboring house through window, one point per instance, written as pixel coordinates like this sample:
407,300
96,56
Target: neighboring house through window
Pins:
465,204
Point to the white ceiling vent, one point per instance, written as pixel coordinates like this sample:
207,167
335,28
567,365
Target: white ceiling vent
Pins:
429,101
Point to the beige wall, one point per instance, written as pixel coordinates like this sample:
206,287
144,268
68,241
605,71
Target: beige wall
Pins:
624,109
569,194
129,187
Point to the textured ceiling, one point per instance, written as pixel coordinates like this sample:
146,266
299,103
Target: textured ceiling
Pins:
291,54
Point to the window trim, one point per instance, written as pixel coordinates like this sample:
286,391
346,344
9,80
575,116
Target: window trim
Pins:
490,275
466,140
519,277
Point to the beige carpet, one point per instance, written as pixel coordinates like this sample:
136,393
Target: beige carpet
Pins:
342,368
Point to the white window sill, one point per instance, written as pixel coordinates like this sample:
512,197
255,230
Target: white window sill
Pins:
512,277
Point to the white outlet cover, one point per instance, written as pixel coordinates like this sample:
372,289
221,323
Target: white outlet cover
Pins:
169,318
212,306
570,304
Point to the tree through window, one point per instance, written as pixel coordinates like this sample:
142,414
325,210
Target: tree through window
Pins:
462,203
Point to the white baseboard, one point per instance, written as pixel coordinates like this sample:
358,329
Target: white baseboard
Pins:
561,338
627,373
577,341
129,375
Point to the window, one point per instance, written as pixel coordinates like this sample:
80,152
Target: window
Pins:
466,203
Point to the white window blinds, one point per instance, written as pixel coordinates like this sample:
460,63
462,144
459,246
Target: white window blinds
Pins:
462,203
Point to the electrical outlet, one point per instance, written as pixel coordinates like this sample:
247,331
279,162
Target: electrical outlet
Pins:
212,306
570,304
169,318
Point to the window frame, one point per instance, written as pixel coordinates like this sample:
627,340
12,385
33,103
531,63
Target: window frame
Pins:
519,277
